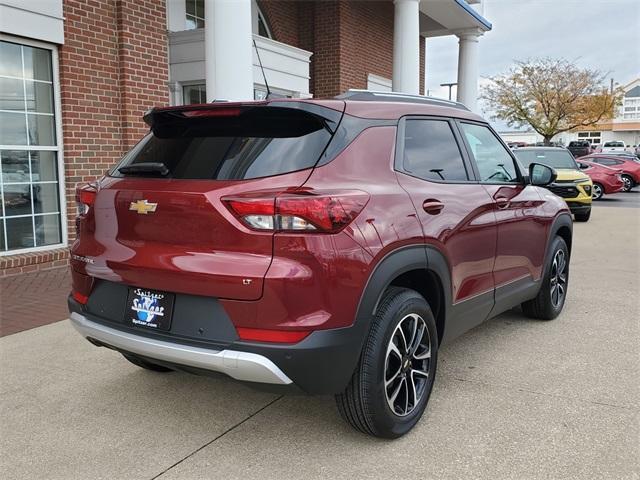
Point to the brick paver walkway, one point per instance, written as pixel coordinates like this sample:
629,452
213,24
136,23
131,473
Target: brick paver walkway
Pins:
34,299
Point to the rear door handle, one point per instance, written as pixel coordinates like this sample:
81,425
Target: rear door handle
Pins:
432,206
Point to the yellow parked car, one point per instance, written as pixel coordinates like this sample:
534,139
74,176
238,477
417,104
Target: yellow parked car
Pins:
572,185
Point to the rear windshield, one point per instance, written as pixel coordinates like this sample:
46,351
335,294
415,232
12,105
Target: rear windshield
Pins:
579,144
614,144
553,158
259,142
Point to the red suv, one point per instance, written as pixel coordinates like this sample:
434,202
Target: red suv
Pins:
328,246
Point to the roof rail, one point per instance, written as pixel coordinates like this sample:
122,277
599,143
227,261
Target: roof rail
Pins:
375,96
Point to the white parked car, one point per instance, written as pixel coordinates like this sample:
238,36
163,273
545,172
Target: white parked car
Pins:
615,146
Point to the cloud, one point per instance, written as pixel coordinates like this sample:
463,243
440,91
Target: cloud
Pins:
601,34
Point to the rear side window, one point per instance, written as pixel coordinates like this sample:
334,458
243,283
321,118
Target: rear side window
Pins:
431,151
257,143
495,165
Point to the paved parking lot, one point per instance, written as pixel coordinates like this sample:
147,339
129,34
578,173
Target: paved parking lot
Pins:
514,398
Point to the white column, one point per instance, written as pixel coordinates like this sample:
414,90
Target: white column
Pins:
228,50
406,47
468,68
176,15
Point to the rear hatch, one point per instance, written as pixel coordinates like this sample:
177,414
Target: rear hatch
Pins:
158,220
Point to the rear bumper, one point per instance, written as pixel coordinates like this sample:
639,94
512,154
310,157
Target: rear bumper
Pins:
321,364
244,366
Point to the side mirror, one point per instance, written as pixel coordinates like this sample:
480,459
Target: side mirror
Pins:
541,175
583,166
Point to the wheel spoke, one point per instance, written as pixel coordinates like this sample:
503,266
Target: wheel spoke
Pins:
422,356
414,333
561,261
395,393
393,349
393,377
414,393
404,345
419,372
417,338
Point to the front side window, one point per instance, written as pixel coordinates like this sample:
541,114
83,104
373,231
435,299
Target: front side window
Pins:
431,151
495,165
29,152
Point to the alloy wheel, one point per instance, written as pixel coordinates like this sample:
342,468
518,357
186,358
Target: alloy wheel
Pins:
628,185
596,191
407,364
558,278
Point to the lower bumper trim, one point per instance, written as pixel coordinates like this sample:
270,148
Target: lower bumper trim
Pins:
245,366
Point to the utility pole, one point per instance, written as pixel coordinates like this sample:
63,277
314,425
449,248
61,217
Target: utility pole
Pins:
450,85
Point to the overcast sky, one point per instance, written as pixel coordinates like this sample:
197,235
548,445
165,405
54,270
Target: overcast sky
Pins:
604,34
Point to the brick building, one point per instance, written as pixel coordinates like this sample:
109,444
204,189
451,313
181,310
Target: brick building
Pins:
77,75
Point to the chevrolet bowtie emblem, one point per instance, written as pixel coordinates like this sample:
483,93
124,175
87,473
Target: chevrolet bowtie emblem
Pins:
143,207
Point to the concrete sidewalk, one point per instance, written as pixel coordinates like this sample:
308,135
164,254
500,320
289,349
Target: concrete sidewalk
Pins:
514,398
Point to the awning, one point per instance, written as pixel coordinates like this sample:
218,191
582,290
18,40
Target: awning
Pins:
446,17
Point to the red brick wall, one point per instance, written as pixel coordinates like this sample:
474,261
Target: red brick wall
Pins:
349,39
113,67
283,19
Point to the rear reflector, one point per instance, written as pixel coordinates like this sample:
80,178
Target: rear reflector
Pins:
273,336
325,212
78,297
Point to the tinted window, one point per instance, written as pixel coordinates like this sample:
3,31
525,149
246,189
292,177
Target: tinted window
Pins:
257,143
553,158
431,151
494,162
614,144
607,161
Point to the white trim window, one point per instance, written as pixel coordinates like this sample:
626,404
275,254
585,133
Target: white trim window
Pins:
31,174
194,14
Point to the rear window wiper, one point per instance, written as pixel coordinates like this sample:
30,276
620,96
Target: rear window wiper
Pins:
145,168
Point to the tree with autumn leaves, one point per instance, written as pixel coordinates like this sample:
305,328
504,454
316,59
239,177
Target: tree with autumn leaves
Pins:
551,96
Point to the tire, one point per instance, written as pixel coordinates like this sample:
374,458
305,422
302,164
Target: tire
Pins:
142,363
583,217
546,305
386,397
628,182
597,191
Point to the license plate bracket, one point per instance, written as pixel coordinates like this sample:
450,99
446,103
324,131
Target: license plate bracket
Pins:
150,309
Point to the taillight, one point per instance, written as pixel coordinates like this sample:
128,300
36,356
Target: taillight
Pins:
85,198
325,212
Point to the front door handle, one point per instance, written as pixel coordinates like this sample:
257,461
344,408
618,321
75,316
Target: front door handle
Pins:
502,202
432,206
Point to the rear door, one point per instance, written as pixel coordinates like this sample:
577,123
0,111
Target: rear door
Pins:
456,213
171,230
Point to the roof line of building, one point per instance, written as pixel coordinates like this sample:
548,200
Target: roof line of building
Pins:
470,10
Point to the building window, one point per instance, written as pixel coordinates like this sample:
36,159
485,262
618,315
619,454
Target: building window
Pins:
592,137
194,94
31,214
195,14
